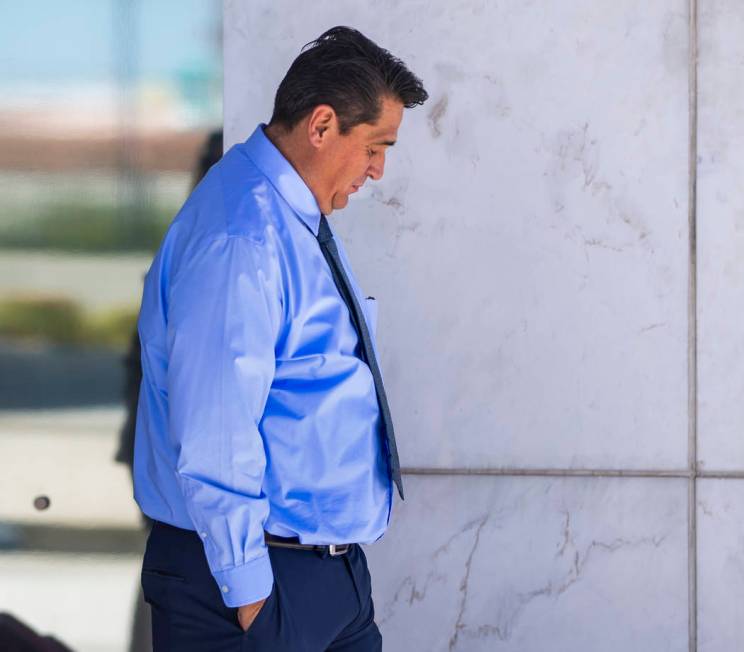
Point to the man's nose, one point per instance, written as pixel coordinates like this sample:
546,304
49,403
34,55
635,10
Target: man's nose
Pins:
377,168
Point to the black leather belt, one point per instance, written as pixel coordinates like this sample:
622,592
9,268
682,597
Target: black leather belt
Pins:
333,549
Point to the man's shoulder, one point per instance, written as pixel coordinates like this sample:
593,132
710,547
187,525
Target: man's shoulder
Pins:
233,199
251,202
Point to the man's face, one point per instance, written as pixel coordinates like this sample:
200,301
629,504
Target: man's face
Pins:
360,154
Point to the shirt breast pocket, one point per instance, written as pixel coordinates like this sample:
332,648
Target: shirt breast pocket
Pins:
371,314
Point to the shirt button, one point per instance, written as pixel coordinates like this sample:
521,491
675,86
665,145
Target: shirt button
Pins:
204,535
224,588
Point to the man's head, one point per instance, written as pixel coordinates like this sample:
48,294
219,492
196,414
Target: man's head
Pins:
338,109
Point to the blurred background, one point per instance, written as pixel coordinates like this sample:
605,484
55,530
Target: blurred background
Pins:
106,109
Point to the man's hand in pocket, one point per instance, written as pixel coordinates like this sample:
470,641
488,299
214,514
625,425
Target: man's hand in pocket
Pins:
248,612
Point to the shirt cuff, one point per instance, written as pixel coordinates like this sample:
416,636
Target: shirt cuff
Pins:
245,584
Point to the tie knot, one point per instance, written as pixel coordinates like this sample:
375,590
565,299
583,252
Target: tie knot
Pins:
324,230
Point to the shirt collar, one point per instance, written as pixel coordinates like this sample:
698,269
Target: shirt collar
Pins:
287,181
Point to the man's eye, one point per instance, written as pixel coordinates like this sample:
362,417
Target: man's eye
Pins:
370,153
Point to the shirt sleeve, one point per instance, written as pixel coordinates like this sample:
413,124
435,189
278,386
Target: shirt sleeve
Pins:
224,318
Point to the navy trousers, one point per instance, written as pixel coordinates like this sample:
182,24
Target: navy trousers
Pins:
318,602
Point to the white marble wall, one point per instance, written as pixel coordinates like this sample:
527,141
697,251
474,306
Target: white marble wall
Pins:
721,233
529,250
535,564
528,244
721,565
721,334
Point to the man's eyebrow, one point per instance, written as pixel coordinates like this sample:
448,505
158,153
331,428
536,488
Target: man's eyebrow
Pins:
385,142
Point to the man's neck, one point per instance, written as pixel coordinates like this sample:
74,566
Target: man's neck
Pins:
282,141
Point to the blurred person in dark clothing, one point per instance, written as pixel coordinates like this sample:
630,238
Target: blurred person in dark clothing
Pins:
210,153
17,636
141,635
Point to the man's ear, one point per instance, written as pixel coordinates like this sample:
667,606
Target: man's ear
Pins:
321,124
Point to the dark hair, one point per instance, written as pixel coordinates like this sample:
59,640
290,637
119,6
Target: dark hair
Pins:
351,73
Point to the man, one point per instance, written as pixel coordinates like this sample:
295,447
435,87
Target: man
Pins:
264,448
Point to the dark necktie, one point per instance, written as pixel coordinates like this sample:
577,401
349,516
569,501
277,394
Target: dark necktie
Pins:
330,251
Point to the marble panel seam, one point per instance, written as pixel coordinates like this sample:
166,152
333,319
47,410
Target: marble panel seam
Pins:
691,474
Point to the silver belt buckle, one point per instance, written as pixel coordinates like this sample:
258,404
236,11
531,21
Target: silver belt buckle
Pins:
335,550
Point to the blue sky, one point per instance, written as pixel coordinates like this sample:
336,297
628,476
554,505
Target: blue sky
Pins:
73,41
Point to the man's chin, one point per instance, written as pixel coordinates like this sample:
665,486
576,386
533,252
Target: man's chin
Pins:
339,201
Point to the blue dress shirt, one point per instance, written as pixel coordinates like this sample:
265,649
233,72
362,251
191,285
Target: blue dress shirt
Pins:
255,411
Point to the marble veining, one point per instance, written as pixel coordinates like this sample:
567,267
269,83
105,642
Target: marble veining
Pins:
485,563
720,565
